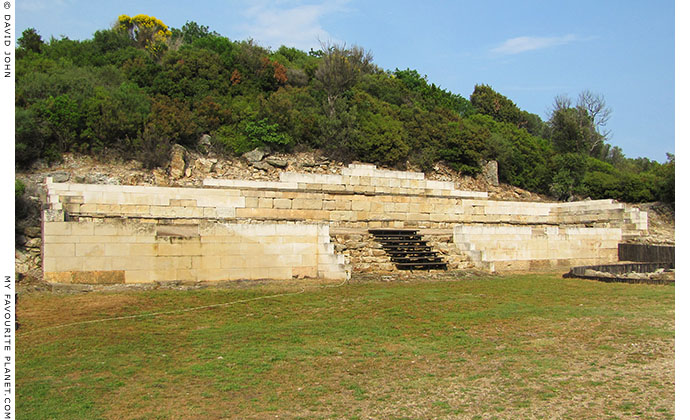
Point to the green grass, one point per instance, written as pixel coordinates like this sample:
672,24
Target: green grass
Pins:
495,347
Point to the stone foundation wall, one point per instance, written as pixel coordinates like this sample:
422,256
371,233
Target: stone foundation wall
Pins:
142,251
361,252
530,247
311,225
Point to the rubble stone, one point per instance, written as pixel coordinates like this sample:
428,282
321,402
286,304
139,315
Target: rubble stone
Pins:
255,155
177,165
276,162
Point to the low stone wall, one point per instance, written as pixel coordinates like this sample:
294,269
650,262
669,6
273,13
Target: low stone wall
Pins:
251,229
646,273
137,251
536,247
325,199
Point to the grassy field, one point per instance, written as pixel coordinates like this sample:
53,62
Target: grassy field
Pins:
528,346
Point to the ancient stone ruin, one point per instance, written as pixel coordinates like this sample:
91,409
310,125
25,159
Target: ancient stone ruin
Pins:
313,225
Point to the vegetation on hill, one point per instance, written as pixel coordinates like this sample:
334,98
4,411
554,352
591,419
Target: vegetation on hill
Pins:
140,87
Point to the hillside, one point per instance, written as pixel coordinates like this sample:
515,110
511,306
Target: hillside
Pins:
119,108
137,89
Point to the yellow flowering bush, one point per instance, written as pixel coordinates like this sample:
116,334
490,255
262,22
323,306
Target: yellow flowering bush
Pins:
147,31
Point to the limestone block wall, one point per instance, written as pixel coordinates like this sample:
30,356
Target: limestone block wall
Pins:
354,201
406,199
361,251
332,213
132,251
601,213
506,247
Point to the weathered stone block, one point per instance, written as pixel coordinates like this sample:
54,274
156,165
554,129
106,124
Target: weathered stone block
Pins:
307,203
58,277
282,203
49,263
361,205
265,203
59,250
182,248
57,228
89,250
183,202
99,264
168,262
69,264
206,262
339,215
98,277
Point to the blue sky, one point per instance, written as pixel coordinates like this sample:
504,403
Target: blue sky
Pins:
530,51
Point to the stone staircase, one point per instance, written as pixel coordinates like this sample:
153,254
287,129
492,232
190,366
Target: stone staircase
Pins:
407,250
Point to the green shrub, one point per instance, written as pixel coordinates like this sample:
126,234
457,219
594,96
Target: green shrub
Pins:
19,188
154,148
20,206
380,140
31,136
228,140
261,133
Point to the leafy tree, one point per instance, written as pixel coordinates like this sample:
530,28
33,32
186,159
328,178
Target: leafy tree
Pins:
218,44
32,134
465,144
487,101
20,204
115,117
300,66
427,133
141,70
615,156
65,79
64,119
271,74
431,96
340,69
572,131
30,40
386,88
569,170
191,74
579,128
523,159
666,179
109,41
172,119
211,115
339,131
296,111
77,53
380,137
192,31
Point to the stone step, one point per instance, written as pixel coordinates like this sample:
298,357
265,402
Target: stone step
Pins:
402,248
408,250
421,266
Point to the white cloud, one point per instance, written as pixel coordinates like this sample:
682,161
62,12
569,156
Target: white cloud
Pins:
275,23
529,43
